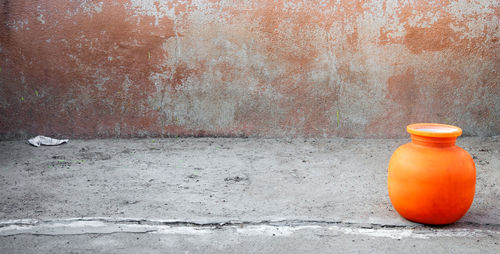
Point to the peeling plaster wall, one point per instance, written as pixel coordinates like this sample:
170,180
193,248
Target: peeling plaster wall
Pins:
85,68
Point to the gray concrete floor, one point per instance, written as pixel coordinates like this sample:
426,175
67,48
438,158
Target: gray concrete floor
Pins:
212,195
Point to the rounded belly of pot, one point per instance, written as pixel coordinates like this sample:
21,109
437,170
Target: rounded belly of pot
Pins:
431,185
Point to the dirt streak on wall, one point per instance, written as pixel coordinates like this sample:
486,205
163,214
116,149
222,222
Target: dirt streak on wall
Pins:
87,68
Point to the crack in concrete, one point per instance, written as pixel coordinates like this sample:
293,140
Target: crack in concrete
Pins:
283,222
85,233
104,225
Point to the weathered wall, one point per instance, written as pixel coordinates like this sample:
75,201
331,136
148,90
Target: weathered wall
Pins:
239,67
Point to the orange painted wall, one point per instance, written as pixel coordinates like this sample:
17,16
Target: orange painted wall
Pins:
113,68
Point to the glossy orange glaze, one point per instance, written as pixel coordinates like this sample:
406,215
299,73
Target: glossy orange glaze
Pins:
431,180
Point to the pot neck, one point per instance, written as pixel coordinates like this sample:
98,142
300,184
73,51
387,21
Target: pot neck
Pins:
433,141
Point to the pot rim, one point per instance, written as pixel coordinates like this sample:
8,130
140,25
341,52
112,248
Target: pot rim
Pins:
436,130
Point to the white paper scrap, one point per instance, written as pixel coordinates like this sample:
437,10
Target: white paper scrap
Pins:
47,141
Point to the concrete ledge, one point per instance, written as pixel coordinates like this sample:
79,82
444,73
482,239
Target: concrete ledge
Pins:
247,188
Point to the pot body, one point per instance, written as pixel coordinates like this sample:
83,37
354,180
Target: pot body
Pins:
431,180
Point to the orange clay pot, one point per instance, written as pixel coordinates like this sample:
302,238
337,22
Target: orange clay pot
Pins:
431,180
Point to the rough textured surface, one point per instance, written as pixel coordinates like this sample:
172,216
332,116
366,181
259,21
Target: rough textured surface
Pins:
221,194
230,240
113,68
